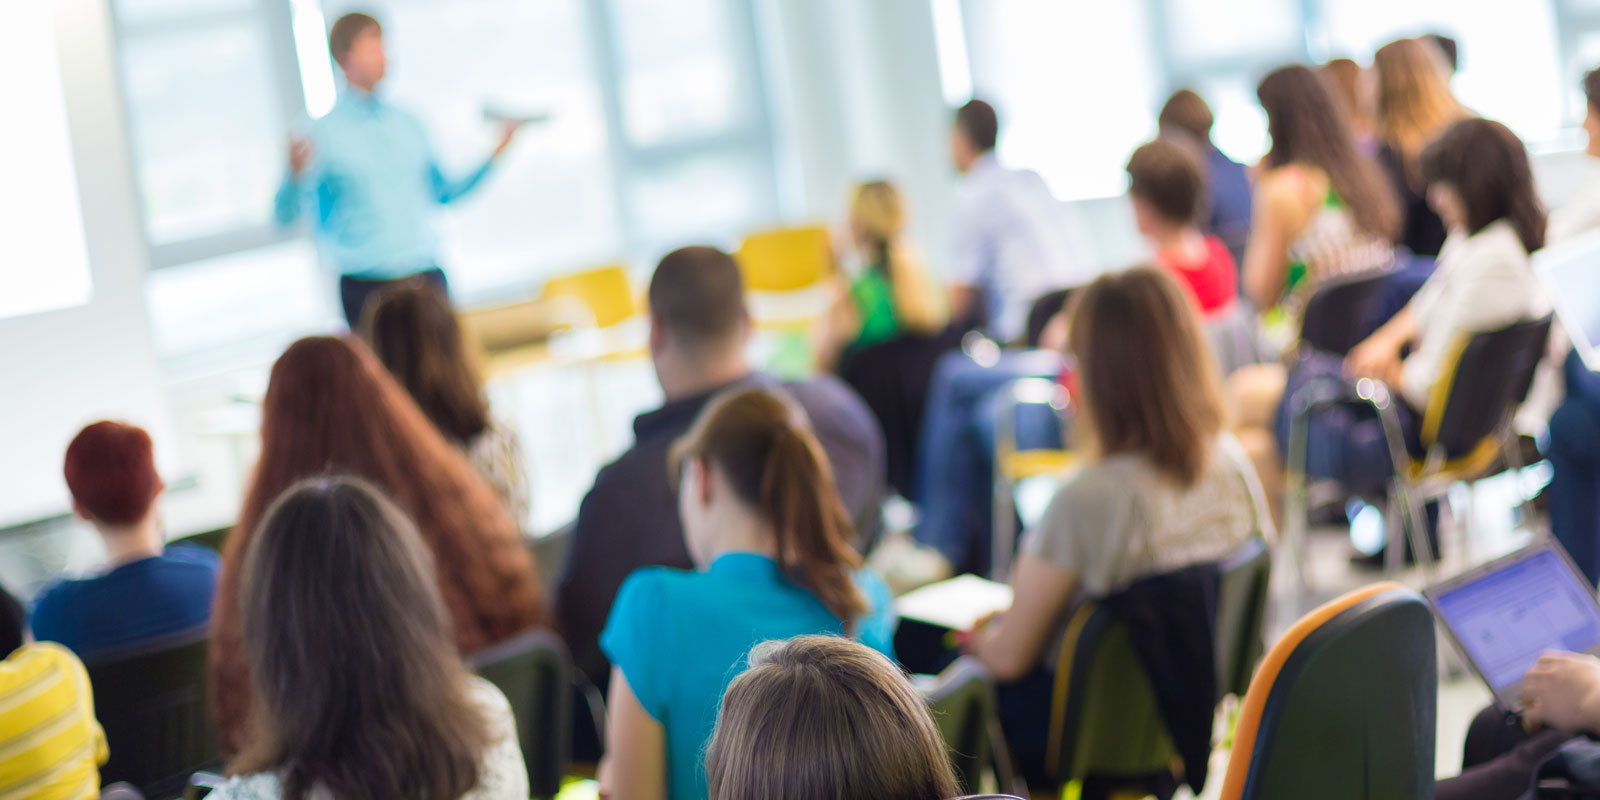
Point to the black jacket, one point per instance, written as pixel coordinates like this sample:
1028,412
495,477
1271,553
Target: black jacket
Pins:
1171,619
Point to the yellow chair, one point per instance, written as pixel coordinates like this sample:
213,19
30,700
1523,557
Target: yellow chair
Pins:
511,336
605,292
1012,465
785,259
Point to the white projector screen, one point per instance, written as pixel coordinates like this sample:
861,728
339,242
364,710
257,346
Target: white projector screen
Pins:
45,265
75,343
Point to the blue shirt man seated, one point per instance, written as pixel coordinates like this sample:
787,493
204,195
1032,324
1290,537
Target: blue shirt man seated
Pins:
370,178
147,591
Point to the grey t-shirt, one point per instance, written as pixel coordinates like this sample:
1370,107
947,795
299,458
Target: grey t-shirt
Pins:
1119,520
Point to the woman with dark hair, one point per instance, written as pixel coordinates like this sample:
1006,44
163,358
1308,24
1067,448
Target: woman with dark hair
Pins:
772,540
1414,105
357,690
1480,182
821,716
1323,210
414,332
331,406
1150,413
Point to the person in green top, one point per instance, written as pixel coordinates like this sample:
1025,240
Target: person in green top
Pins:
891,295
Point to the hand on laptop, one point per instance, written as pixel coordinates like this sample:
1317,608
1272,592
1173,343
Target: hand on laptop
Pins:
1563,691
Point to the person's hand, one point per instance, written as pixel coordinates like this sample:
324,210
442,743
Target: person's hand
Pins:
300,153
602,778
1562,691
1374,358
508,131
967,641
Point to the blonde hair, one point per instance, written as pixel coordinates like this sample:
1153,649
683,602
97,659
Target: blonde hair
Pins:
1414,102
1148,383
879,213
822,716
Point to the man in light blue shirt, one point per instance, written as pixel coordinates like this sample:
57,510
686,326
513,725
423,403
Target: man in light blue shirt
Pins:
369,177
1012,238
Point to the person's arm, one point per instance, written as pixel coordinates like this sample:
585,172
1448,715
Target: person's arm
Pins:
1563,691
1378,356
635,764
963,299
973,254
287,206
1273,226
1583,386
447,191
1011,645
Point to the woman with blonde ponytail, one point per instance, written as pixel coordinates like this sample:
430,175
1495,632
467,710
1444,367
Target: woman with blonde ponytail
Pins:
765,525
892,294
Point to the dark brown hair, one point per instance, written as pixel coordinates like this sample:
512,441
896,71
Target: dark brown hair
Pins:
414,332
1148,383
822,716
345,30
330,406
1307,127
1488,167
697,295
977,121
765,449
1188,112
1167,176
1591,88
356,682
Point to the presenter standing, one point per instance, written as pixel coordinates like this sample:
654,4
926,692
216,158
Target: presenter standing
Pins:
368,177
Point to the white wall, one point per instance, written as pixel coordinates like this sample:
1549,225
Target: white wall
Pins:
62,369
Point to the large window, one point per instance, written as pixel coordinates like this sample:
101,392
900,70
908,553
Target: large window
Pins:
1086,80
650,102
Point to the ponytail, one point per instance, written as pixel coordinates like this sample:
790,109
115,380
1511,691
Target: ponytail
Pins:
775,466
799,501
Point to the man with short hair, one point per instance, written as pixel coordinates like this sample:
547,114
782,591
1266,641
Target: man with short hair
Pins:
1228,198
1012,243
147,590
699,329
370,178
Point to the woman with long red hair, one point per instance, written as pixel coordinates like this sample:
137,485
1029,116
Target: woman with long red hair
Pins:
331,406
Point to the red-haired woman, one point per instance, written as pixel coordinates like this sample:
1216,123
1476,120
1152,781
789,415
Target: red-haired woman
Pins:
330,406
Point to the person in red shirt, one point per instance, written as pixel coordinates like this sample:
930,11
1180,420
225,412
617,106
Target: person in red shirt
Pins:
1167,186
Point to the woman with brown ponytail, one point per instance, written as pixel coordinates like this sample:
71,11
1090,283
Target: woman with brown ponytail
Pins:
771,538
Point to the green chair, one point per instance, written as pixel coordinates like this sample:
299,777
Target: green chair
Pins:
964,707
1104,724
536,675
151,701
1241,611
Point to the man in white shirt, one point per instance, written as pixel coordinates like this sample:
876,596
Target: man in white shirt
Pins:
1010,234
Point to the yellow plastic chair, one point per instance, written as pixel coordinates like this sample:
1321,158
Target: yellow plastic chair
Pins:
1012,466
783,260
605,292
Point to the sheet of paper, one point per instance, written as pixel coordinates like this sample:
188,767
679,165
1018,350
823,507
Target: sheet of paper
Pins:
955,604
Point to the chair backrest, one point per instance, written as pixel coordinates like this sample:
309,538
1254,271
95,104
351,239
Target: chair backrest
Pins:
535,673
966,711
1336,315
605,291
211,540
1489,377
1343,705
785,259
151,701
1241,609
1104,719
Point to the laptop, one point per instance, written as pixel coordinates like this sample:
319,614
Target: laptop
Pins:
1570,274
1504,614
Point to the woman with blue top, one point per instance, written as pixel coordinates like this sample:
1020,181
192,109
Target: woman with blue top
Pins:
771,538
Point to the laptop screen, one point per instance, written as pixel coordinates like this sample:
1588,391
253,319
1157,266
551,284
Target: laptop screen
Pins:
1570,273
1506,617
